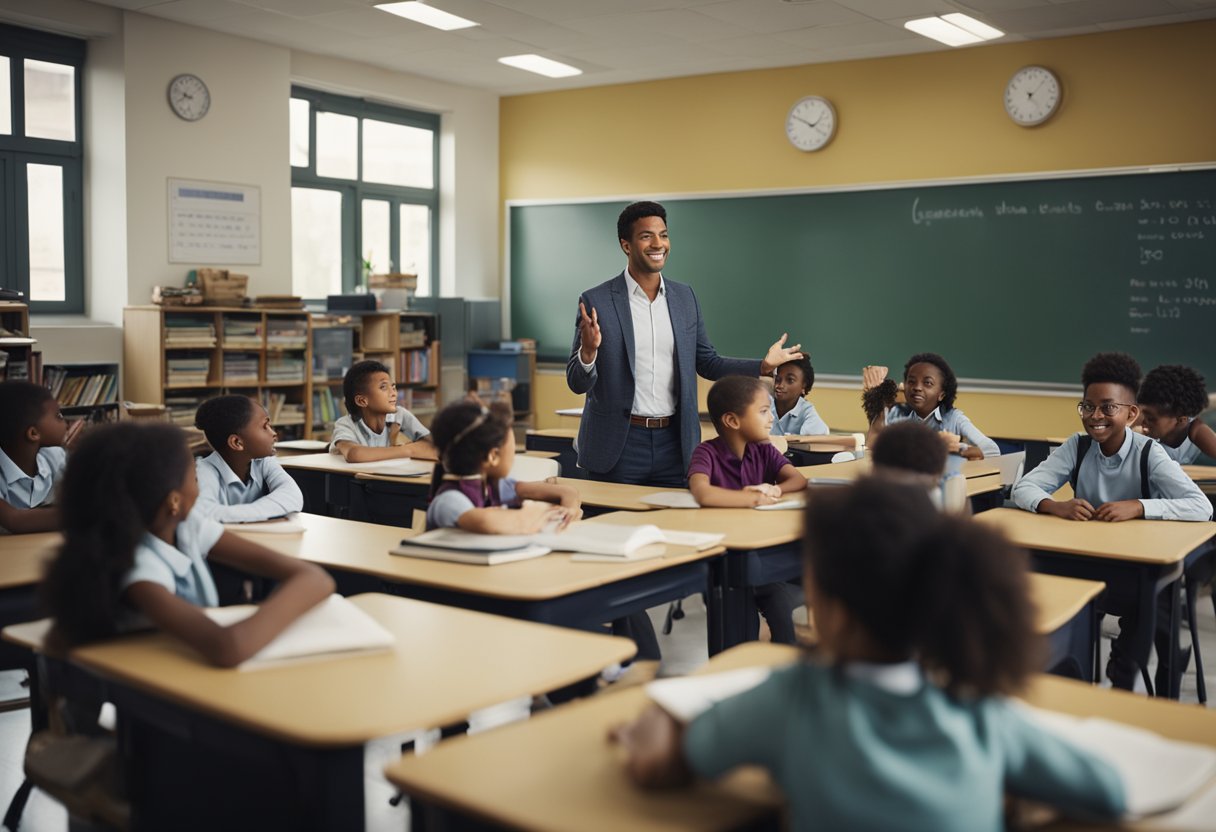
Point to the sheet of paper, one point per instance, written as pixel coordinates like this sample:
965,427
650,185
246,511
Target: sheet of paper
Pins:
687,697
290,524
302,445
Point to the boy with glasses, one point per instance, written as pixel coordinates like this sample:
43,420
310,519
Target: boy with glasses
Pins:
1125,477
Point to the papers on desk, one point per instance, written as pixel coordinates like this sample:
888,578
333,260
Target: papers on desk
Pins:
459,546
687,697
674,499
302,445
1159,775
394,467
290,524
334,626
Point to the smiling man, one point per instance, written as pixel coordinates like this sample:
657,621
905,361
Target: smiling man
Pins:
639,345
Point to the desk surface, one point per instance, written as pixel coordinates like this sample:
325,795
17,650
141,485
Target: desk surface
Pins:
22,557
854,468
556,433
387,469
1200,473
745,528
575,778
986,484
615,495
447,663
364,548
1143,541
1059,599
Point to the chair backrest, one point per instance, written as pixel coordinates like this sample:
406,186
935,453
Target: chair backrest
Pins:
534,469
1010,465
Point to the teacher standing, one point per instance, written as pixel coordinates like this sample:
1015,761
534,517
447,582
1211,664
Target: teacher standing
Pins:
639,345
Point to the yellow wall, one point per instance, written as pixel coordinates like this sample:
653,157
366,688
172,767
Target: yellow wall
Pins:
1131,98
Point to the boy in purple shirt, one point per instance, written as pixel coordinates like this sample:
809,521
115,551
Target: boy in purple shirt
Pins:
741,468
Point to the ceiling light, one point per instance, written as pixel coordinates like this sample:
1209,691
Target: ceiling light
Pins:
426,15
975,27
541,66
940,30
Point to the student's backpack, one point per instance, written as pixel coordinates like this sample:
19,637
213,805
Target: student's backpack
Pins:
1083,444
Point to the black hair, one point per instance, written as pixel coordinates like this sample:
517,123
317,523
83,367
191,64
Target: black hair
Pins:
1112,367
731,394
223,416
109,498
1174,389
464,433
924,585
21,406
949,381
633,213
910,446
355,382
808,372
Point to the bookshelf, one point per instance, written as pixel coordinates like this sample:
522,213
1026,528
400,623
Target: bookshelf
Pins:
87,393
180,356
19,361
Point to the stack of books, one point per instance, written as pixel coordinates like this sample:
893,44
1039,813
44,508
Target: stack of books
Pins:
413,335
287,333
182,408
242,332
415,367
187,370
240,368
187,331
281,411
283,368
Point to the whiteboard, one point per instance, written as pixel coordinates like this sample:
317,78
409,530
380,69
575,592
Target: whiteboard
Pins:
214,223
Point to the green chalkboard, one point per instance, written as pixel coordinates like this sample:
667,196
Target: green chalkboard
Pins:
1013,280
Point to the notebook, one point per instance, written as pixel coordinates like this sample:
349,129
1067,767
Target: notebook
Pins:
459,546
290,524
594,543
333,627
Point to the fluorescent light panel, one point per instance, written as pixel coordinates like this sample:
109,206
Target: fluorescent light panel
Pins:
541,66
426,15
953,29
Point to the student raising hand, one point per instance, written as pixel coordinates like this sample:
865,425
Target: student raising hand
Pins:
872,376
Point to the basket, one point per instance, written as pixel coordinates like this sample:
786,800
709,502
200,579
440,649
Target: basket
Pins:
222,287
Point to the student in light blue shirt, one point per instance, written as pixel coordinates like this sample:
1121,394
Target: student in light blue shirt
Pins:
793,415
375,427
32,457
930,388
241,481
900,719
135,551
1171,398
1121,475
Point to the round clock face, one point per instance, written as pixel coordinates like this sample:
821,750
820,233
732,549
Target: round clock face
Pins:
1032,95
189,97
811,123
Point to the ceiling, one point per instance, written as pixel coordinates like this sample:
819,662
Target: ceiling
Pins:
620,41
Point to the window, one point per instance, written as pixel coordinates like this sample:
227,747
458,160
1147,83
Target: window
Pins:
364,182
41,210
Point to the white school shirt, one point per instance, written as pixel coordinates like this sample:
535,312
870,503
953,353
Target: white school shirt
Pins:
654,351
1105,479
1184,454
182,567
801,420
952,421
270,492
20,490
349,429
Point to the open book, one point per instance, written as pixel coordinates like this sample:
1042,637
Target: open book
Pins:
334,626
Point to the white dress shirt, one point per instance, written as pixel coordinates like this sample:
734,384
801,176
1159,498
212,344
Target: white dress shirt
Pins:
654,351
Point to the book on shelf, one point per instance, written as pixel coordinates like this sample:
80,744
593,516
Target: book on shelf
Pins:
182,408
188,331
415,367
281,411
187,370
285,368
287,333
419,401
72,387
326,408
242,332
241,368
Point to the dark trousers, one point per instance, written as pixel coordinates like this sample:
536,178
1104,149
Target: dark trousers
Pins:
777,602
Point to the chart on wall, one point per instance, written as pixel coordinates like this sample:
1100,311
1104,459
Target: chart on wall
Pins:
214,223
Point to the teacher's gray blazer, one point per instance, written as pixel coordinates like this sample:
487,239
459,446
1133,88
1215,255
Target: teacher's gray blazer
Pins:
609,385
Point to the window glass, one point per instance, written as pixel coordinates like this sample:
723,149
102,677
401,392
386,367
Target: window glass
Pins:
50,101
46,231
299,133
397,154
375,245
416,244
337,146
316,242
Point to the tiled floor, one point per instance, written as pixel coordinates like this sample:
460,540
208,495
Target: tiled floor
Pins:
683,650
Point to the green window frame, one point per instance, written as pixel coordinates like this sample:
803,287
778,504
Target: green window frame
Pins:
354,191
18,151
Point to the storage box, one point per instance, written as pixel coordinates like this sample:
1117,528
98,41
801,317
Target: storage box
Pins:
222,287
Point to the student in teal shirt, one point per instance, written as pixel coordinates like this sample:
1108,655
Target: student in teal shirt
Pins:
900,720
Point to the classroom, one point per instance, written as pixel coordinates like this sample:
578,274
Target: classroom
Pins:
239,201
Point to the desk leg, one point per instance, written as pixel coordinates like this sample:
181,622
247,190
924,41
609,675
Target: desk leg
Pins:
715,603
1173,655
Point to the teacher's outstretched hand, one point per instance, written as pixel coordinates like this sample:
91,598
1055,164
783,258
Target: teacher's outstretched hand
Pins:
589,334
778,354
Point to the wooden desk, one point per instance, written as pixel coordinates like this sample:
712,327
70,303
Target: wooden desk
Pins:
599,497
1068,618
851,470
763,547
553,589
303,725
1201,473
22,560
576,780
1135,559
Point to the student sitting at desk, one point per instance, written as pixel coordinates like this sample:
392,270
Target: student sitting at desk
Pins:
31,457
793,415
899,720
374,426
1171,398
930,389
134,552
241,481
740,468
1127,476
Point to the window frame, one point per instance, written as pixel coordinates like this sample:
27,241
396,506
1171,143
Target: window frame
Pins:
18,150
354,191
